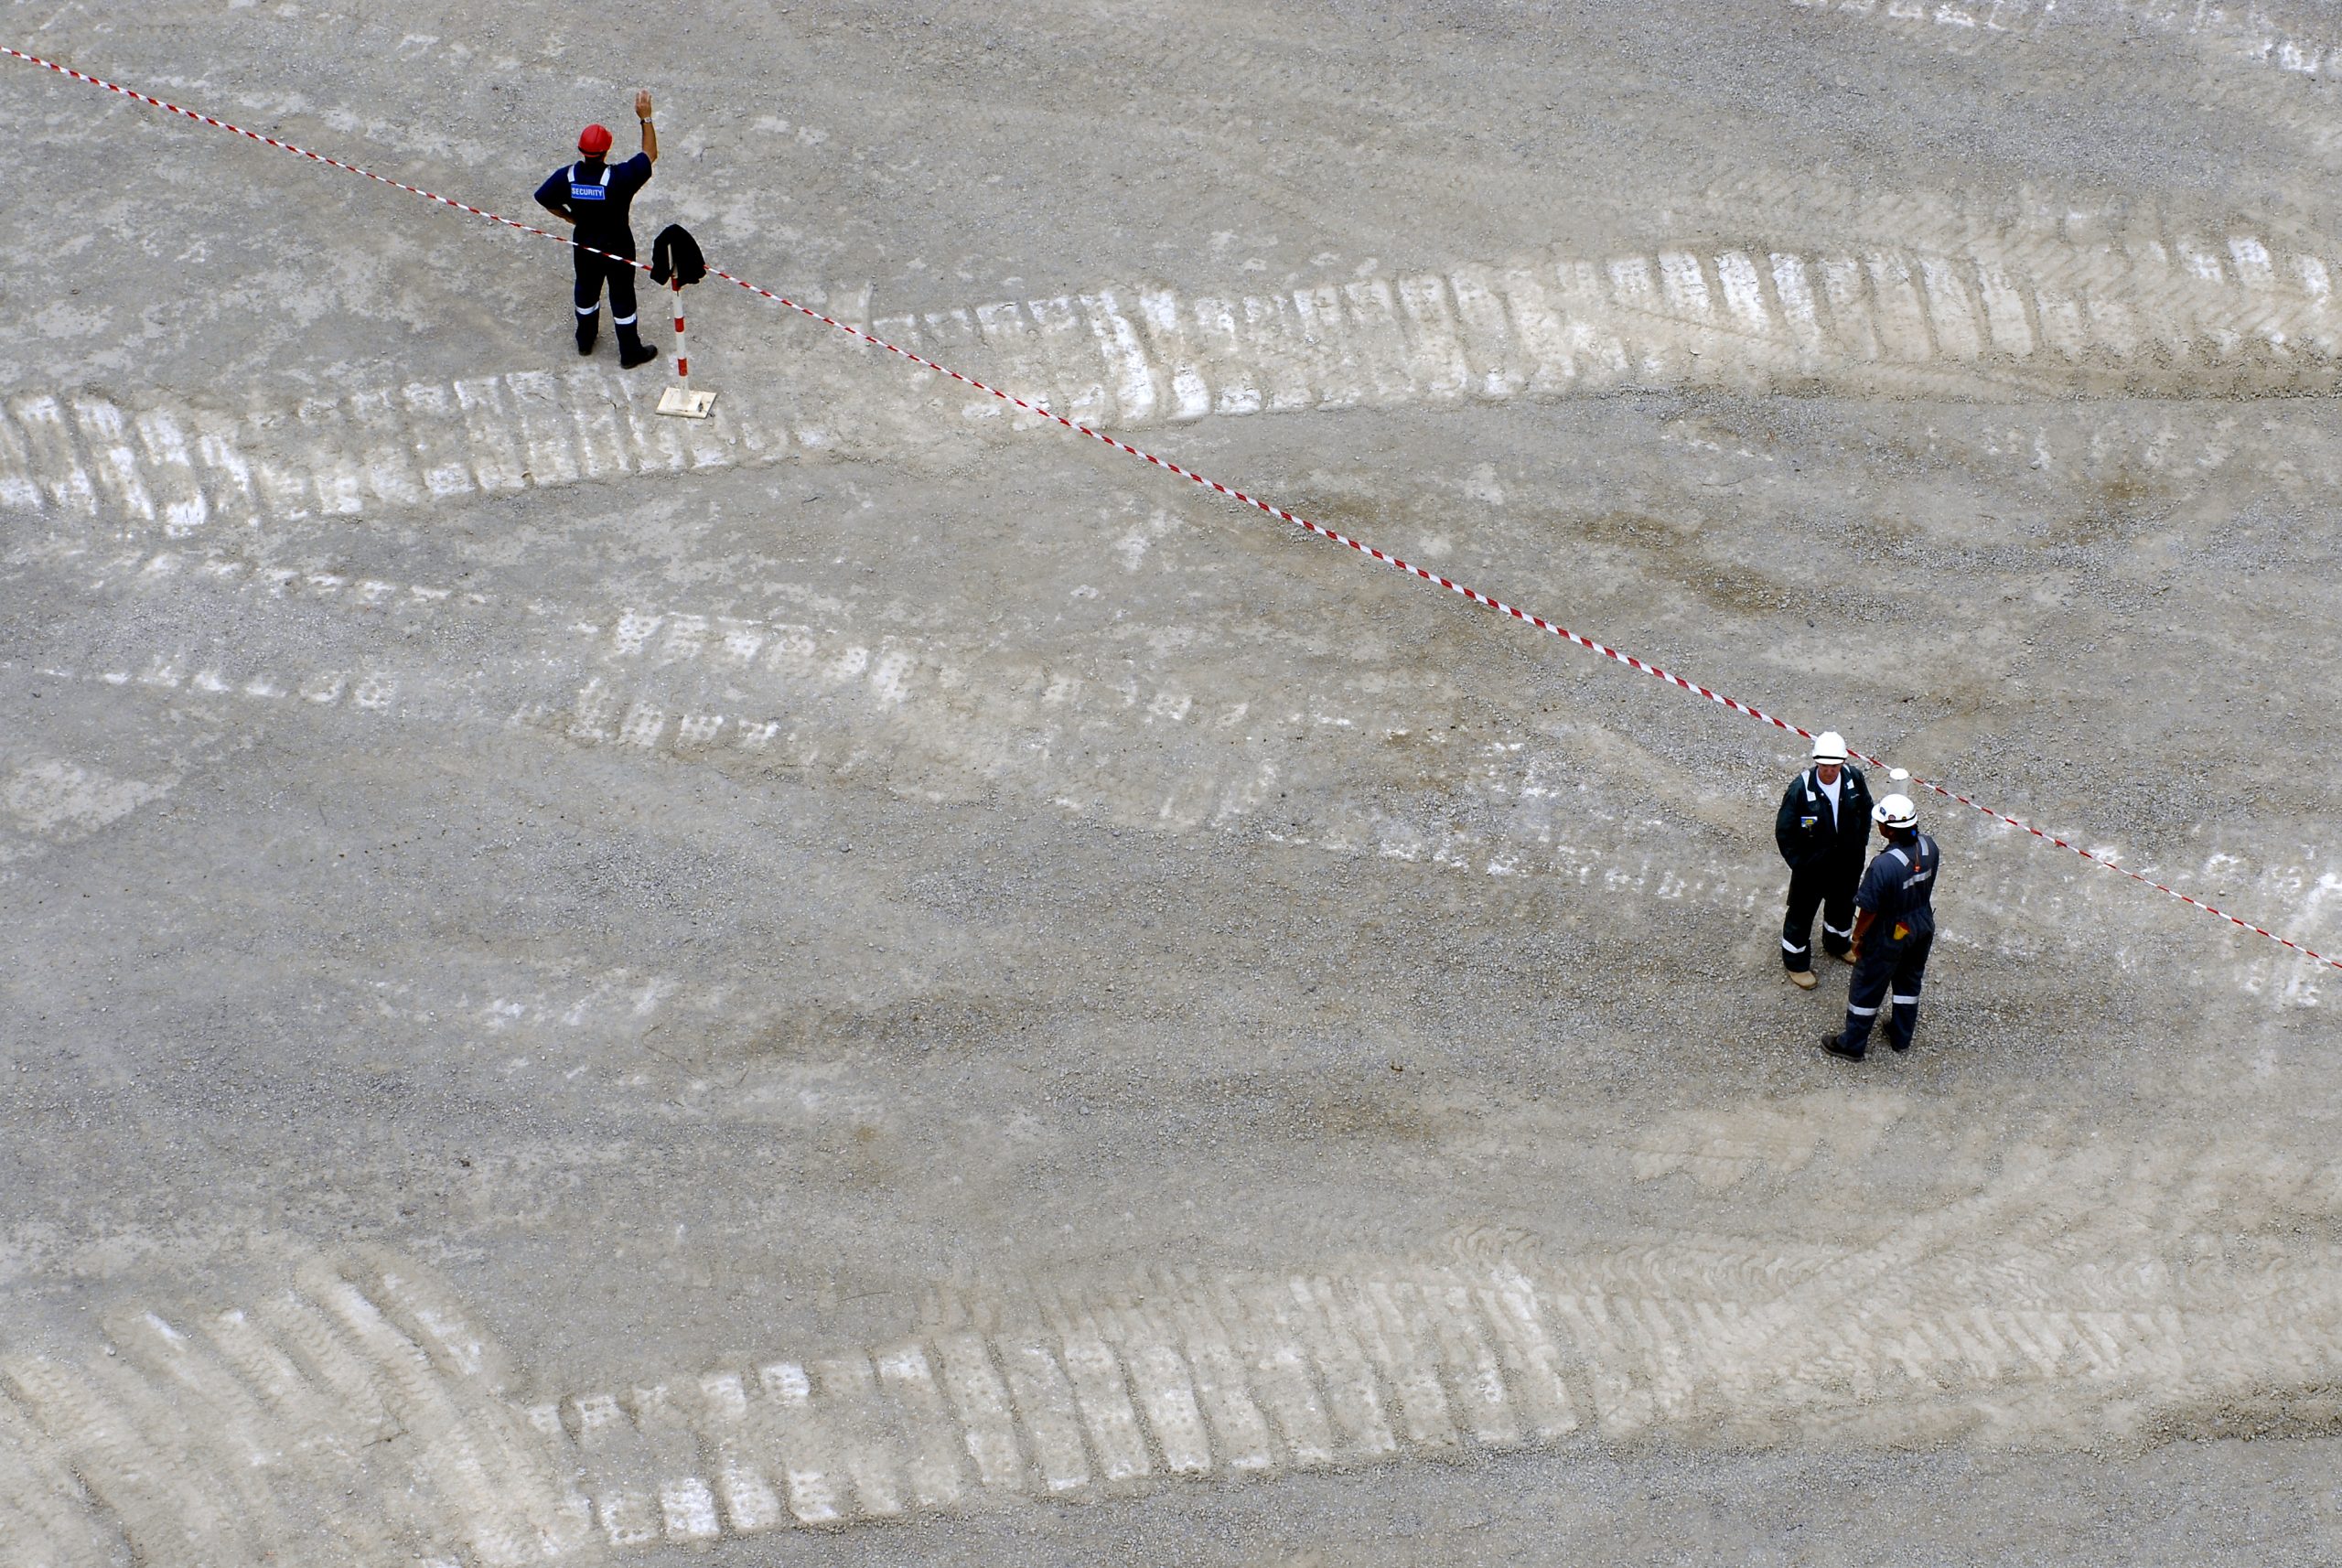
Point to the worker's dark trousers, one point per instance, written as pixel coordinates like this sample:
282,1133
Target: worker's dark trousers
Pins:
1828,887
592,272
1888,973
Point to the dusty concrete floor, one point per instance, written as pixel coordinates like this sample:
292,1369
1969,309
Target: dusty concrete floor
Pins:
875,980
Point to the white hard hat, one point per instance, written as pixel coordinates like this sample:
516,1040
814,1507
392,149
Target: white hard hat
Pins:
1829,746
1894,812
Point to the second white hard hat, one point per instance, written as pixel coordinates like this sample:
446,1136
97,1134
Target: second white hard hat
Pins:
1894,812
1829,746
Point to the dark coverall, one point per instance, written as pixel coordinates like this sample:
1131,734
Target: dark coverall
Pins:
597,195
1896,891
1825,856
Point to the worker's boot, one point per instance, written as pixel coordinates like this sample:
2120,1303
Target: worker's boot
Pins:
1803,979
1836,1046
590,327
632,349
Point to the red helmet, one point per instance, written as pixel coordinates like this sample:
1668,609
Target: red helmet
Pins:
594,140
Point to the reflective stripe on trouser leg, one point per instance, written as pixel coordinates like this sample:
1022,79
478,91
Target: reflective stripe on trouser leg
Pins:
594,309
1868,988
622,320
1905,1016
1910,969
1797,921
1838,913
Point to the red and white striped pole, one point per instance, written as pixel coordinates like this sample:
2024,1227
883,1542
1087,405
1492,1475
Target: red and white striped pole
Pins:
680,400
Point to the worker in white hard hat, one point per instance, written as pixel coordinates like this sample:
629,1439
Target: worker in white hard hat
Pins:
1895,926
1823,822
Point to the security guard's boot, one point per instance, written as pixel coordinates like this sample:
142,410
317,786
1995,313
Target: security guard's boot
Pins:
588,328
632,349
1803,979
1836,1046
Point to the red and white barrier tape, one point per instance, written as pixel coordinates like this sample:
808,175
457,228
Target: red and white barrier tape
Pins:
1276,511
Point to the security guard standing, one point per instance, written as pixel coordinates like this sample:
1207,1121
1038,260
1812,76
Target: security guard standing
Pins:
593,195
1895,925
1820,831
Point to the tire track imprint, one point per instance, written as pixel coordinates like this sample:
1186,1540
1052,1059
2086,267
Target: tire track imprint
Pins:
1505,806
1556,835
2177,316
1969,17
353,1413
2298,45
2013,313
2246,32
181,472
2071,1297
936,717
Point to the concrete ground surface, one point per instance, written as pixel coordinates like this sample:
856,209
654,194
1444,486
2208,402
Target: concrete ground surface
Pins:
875,980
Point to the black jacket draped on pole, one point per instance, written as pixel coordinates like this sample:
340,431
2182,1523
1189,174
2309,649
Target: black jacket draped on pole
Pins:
675,254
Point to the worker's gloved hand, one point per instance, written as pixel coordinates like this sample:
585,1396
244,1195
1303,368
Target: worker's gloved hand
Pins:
675,254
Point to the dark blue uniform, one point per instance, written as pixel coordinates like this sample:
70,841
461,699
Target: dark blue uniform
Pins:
597,195
1823,847
1896,890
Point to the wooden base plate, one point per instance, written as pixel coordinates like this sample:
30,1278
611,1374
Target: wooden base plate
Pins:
687,403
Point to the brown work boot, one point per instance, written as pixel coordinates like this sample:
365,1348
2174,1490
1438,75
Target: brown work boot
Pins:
1803,979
